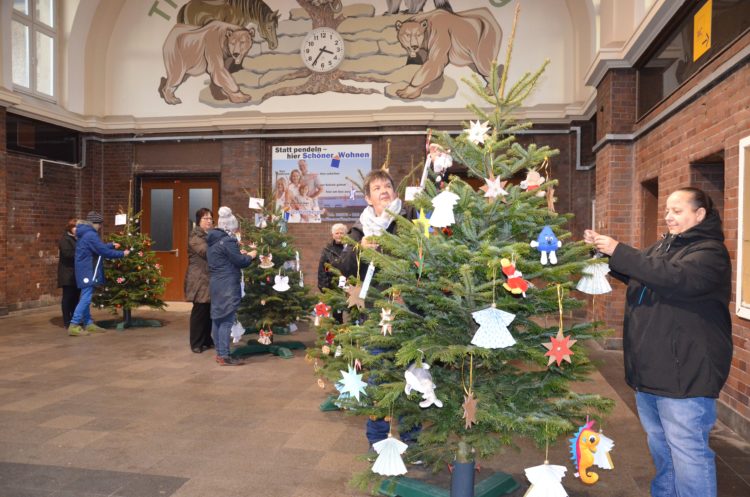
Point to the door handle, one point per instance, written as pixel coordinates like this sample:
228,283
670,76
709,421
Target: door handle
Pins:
176,252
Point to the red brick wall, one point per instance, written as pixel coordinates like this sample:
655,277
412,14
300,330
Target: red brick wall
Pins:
3,215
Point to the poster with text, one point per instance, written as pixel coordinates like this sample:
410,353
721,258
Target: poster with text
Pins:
311,182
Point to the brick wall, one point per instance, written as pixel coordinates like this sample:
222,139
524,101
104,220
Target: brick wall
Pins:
3,215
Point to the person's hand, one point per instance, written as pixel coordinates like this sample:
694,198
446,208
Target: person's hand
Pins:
604,244
253,253
115,245
367,242
126,252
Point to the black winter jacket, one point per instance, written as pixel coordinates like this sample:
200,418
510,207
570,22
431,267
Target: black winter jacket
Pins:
329,256
66,271
677,335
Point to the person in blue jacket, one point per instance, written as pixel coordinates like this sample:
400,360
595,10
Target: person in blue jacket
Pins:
225,263
90,252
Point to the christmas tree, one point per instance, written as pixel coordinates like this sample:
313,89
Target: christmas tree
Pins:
477,289
135,280
275,294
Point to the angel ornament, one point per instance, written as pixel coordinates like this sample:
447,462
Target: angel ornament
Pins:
389,462
266,261
546,480
493,330
594,278
281,283
547,243
420,380
443,216
386,321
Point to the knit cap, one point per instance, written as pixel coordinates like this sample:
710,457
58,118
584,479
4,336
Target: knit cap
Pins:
227,221
94,217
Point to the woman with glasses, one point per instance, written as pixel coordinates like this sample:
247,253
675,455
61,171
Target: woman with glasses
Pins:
196,283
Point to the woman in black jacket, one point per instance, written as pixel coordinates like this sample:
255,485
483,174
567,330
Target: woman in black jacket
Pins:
66,273
677,338
329,256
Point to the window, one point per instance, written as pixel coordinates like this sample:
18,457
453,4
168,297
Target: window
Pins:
33,40
743,233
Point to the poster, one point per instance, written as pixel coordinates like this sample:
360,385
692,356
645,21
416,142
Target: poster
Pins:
313,183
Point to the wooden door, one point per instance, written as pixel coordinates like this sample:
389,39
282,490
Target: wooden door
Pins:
169,207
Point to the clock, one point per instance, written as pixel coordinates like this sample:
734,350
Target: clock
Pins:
322,50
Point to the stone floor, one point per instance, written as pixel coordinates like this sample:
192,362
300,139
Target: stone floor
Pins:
136,414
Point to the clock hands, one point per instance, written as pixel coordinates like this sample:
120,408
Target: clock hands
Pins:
320,52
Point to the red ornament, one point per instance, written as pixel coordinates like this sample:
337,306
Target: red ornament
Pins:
447,231
329,338
558,350
515,284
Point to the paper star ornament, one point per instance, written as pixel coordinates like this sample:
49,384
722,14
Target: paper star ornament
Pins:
351,383
386,321
493,330
493,188
558,349
545,481
470,410
389,462
423,222
477,132
354,298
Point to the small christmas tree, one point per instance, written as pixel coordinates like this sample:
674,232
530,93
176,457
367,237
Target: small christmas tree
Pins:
135,280
275,294
467,294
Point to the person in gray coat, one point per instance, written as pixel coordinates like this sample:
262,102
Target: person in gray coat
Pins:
196,283
225,263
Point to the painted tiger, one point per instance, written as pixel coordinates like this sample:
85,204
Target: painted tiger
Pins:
238,12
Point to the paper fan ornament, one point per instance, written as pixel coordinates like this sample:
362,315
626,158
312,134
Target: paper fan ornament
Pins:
558,349
352,384
389,462
602,458
545,481
266,261
321,311
594,279
281,283
443,216
493,330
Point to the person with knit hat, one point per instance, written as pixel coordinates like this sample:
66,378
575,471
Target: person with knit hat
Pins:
225,262
90,250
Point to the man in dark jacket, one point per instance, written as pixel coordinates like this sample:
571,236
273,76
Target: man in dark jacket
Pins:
90,251
225,263
677,338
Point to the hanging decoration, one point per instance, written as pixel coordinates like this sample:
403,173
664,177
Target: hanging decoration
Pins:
493,330
494,187
532,182
329,337
602,458
237,332
558,349
386,321
354,299
441,161
514,283
281,283
264,337
266,261
470,402
339,351
321,311
547,168
546,481
389,462
423,222
419,379
420,260
583,446
547,243
351,384
443,215
477,132
594,278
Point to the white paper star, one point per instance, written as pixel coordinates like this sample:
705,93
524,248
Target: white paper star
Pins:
494,188
351,383
478,132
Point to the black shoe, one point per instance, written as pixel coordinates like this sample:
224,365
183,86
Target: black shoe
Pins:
198,350
229,361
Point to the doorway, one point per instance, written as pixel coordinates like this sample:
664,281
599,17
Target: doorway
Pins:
169,207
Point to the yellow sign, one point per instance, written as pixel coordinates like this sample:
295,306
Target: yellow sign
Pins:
702,31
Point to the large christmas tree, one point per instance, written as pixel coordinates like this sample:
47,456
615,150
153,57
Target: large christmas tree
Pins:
135,280
275,294
476,298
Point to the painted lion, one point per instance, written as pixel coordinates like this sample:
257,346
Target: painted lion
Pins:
471,38
190,51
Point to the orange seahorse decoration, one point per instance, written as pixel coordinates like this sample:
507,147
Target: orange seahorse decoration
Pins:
582,448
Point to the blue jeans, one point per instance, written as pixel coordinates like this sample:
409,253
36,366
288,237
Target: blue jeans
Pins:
221,332
677,431
82,314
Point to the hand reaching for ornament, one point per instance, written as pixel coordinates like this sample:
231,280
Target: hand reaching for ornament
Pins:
604,244
126,252
368,242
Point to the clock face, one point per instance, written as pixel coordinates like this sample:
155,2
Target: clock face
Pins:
322,50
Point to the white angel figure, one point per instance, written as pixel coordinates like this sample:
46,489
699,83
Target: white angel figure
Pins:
545,481
493,330
442,216
594,279
389,462
281,283
420,379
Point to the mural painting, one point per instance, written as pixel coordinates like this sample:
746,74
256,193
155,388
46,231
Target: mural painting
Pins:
325,46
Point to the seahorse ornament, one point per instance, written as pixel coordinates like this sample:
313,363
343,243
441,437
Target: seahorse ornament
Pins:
583,445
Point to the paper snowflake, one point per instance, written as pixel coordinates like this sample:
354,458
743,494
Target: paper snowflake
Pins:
493,188
477,132
351,383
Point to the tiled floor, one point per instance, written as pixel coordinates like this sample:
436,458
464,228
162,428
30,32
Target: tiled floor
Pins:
136,414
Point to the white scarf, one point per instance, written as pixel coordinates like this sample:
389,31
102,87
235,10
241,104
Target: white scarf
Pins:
376,225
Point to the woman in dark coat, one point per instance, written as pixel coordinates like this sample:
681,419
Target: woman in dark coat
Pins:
677,338
196,283
66,273
225,263
330,255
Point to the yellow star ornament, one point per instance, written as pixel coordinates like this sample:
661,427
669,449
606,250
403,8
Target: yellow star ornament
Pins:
423,223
